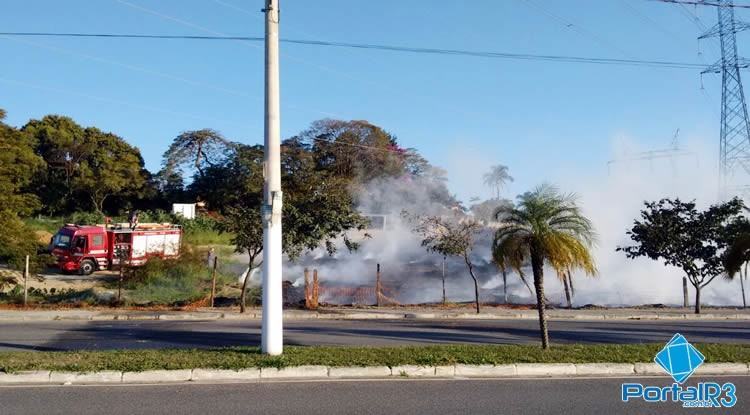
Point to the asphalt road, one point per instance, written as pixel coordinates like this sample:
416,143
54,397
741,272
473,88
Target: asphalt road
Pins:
538,396
70,335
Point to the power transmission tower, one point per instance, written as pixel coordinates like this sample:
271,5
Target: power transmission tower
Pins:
734,140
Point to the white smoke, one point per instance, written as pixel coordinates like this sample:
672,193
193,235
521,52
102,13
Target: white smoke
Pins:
613,201
612,198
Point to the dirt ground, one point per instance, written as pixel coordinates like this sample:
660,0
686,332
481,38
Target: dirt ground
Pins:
59,281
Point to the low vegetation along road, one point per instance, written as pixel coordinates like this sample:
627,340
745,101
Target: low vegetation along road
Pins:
537,396
92,335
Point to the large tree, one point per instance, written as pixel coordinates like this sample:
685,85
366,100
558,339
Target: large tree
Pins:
18,165
680,235
318,209
358,150
545,226
197,150
114,167
83,166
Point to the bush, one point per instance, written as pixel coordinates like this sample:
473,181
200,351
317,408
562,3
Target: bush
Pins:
172,281
85,218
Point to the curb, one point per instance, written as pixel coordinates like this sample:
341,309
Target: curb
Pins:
302,315
459,371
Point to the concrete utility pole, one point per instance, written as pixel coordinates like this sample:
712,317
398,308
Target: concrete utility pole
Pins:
272,339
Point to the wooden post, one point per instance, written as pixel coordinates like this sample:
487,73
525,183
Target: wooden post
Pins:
377,287
26,283
213,281
119,281
307,289
315,290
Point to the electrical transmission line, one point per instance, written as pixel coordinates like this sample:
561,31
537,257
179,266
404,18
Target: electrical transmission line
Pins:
406,49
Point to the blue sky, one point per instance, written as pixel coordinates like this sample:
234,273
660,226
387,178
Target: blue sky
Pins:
543,119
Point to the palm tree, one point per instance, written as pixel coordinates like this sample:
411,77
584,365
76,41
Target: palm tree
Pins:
737,256
545,226
496,178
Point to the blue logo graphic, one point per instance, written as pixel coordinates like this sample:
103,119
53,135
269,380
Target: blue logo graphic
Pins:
679,358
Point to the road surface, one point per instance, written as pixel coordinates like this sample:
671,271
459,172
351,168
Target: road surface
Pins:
537,396
71,335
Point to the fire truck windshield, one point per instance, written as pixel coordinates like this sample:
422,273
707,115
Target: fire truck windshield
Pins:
61,241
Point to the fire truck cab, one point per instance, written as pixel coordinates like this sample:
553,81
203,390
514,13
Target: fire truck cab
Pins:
88,248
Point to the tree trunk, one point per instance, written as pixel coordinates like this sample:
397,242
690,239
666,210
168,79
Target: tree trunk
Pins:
444,299
198,159
505,286
537,266
244,283
567,290
742,286
685,302
476,283
697,299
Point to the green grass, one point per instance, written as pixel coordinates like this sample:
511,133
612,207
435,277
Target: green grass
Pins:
203,237
173,281
51,225
250,357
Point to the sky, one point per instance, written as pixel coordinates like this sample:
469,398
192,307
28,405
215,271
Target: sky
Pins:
547,121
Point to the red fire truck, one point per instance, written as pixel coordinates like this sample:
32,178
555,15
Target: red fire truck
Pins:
85,249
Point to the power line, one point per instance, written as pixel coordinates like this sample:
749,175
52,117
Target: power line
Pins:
706,3
390,48
577,28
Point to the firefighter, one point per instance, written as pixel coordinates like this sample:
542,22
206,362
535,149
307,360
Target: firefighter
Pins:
133,219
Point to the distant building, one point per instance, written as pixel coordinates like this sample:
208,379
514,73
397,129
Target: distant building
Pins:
186,210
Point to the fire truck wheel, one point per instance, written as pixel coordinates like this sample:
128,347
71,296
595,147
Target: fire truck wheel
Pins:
87,267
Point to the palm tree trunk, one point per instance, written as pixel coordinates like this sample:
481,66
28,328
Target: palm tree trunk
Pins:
570,281
526,283
505,286
537,267
567,290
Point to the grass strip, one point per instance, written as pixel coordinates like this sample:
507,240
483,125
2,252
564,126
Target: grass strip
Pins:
251,357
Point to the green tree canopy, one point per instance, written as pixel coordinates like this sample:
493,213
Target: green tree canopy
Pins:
197,150
83,166
18,165
680,235
317,210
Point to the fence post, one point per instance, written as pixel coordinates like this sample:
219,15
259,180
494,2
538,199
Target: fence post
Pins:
315,289
307,289
26,283
685,301
213,281
377,287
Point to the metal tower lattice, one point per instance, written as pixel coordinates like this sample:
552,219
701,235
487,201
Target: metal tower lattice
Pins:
734,141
